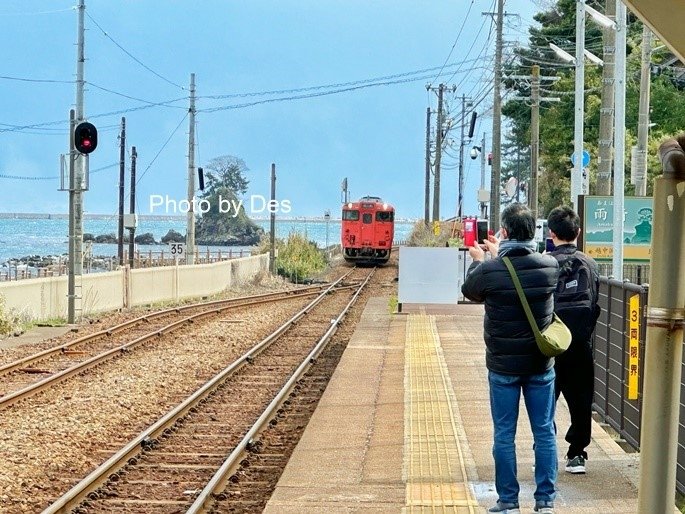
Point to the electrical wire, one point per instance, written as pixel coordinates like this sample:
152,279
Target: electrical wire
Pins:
37,13
131,55
45,81
322,93
17,128
161,149
334,86
164,104
482,25
461,29
42,177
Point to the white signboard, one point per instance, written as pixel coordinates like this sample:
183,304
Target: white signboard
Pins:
178,250
430,275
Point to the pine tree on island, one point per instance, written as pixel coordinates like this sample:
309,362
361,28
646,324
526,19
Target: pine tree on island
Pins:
225,182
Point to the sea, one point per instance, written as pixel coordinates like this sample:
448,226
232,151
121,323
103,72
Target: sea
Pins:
22,235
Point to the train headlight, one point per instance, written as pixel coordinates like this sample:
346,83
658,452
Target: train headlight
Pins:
385,206
349,205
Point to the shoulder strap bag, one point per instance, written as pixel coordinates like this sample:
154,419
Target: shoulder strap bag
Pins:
556,338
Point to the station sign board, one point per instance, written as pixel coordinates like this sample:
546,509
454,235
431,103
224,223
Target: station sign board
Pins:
598,227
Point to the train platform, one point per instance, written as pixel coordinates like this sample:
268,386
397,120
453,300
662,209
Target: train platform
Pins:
404,426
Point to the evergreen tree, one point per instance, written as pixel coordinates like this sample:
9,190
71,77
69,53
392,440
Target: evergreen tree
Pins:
557,26
224,183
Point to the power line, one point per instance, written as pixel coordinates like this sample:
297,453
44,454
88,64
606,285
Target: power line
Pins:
140,99
131,55
461,29
160,150
48,81
17,128
42,177
363,83
333,86
482,25
323,93
36,13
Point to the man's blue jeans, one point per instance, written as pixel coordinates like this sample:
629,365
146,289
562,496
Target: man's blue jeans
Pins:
538,394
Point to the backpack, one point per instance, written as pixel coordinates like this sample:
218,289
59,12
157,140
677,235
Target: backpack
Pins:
574,298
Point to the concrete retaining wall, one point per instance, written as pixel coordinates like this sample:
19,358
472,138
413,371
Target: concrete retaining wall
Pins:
43,298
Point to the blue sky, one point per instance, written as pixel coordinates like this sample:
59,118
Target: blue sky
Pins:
374,136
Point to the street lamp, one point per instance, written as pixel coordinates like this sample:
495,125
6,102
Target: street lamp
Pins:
563,54
600,19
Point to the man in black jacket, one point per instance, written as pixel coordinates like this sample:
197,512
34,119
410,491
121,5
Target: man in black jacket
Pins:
514,362
576,304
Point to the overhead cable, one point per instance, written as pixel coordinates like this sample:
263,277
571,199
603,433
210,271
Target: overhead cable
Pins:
461,29
161,149
131,55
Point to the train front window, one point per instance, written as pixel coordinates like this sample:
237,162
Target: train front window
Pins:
384,216
350,215
366,218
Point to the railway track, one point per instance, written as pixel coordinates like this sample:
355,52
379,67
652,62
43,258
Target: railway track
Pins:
180,462
32,374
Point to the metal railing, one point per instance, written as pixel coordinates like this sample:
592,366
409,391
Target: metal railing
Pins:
635,273
611,355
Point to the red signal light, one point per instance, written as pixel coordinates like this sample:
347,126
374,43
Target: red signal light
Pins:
85,137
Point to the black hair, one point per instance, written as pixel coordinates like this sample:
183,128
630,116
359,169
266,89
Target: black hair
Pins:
564,222
518,221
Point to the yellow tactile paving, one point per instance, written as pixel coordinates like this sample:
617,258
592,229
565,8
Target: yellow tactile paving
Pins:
434,468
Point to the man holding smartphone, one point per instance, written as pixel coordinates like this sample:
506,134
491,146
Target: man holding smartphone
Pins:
515,364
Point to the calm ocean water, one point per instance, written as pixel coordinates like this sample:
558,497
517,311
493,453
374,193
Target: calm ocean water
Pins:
43,236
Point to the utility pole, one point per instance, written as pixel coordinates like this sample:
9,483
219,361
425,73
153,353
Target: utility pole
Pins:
190,231
71,286
495,177
606,117
426,201
535,79
643,116
272,231
77,173
438,156
579,126
132,206
534,140
619,138
460,199
122,172
483,205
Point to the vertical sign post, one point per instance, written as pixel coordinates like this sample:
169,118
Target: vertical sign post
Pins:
634,346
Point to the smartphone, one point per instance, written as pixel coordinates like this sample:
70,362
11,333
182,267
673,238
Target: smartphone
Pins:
549,245
482,232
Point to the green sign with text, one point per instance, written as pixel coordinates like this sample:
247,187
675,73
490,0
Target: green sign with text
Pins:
598,227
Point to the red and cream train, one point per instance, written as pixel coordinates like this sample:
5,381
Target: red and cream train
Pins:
368,227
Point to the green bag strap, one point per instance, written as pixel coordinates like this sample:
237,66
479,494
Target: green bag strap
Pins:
522,296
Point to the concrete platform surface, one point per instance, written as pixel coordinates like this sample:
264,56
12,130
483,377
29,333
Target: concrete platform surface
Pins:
405,426
34,335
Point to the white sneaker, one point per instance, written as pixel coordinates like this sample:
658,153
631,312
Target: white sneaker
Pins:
576,465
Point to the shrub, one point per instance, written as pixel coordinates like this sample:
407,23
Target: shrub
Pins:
421,235
10,320
299,259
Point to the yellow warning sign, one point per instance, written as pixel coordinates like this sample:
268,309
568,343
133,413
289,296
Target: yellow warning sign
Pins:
436,228
634,346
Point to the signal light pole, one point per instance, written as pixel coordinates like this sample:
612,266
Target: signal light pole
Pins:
78,165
